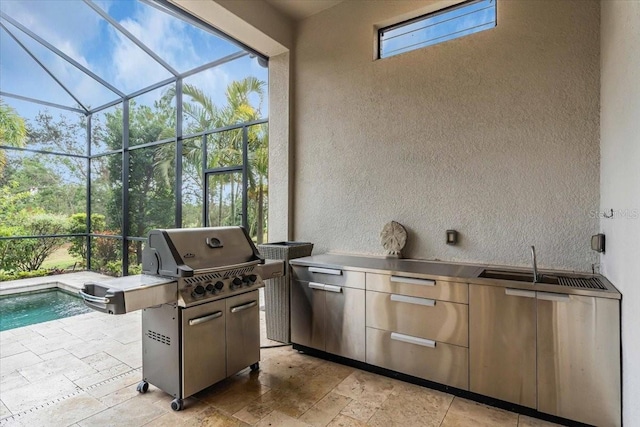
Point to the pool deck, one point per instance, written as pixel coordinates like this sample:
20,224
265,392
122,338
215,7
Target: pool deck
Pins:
70,282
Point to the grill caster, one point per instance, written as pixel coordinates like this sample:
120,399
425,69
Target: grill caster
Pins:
255,366
143,386
177,404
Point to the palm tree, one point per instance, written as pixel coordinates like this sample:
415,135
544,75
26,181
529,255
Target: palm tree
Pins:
224,149
13,131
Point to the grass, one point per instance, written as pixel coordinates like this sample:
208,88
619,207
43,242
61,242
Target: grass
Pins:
61,258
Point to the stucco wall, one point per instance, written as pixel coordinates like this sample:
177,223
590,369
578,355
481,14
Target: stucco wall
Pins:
495,135
620,180
280,152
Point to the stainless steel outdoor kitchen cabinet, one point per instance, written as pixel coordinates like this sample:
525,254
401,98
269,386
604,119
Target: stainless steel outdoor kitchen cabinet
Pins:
557,353
502,343
579,358
327,309
418,327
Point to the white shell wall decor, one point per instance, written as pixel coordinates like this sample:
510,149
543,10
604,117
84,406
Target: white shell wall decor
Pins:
393,237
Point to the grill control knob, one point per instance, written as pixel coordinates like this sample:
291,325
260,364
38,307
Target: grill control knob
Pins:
253,278
210,288
198,292
237,282
219,285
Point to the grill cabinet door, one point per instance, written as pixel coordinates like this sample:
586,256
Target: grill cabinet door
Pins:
203,350
243,331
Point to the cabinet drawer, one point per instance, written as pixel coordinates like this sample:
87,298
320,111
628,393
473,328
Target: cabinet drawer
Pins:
329,276
423,288
443,363
421,317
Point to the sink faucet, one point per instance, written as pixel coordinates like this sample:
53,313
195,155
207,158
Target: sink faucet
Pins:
535,264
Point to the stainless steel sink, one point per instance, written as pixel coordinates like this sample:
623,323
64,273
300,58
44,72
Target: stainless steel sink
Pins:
517,276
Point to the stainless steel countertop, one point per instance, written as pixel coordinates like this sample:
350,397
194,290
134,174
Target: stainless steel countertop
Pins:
137,281
451,271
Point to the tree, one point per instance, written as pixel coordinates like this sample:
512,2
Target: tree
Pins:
13,131
151,198
225,149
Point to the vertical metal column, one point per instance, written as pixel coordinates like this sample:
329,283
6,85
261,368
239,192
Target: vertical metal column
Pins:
205,187
245,176
125,186
178,183
88,201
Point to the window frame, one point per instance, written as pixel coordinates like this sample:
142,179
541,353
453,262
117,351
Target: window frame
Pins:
380,31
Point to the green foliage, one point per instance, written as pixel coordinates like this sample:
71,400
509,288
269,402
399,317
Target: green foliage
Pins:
78,225
13,131
29,254
151,196
39,175
15,275
107,249
39,191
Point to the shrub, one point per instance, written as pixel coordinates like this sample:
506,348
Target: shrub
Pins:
29,254
77,225
15,275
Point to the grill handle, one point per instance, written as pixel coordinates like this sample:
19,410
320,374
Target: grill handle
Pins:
243,307
203,319
93,298
228,267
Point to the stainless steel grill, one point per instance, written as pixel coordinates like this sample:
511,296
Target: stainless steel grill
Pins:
199,296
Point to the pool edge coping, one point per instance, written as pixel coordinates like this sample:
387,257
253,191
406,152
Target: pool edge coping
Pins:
51,282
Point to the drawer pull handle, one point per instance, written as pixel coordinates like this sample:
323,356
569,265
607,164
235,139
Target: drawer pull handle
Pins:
325,271
413,281
318,286
554,297
203,319
331,288
519,293
413,340
243,307
413,300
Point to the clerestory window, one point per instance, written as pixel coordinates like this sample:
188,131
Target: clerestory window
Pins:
437,27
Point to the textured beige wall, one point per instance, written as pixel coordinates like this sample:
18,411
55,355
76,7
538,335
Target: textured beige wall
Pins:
495,135
280,152
620,180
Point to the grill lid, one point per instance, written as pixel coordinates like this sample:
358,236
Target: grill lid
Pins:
183,252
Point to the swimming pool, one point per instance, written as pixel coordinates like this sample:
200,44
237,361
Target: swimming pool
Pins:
37,307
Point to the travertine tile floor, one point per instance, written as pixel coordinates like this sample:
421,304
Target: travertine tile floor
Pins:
83,371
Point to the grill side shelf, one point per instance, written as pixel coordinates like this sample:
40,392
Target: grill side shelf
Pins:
126,294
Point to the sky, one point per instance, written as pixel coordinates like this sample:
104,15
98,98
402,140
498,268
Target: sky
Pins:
454,23
81,33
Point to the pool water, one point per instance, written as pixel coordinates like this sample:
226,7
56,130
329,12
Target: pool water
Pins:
37,307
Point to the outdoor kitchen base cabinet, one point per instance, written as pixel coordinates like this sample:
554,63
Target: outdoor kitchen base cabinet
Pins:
579,358
205,357
328,311
502,343
557,353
